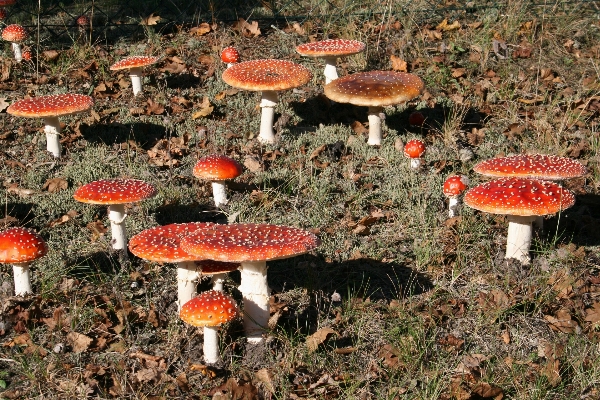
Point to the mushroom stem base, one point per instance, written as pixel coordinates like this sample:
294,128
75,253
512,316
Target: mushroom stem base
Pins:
518,240
211,344
219,193
187,274
415,163
116,215
52,130
16,48
374,126
136,80
255,291
453,203
268,102
22,275
330,69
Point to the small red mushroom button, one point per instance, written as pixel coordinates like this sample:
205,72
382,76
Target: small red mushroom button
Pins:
230,56
454,186
414,149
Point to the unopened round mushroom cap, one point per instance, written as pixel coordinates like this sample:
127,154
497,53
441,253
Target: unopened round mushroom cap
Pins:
19,245
14,33
414,148
210,308
375,88
162,243
217,167
331,47
267,74
114,191
455,185
211,267
133,62
53,105
249,242
517,196
540,166
230,55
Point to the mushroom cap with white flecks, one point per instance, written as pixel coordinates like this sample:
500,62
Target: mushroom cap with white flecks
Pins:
134,62
455,185
217,167
53,105
266,74
230,55
539,166
375,88
14,33
330,48
210,308
249,242
517,196
162,243
20,245
414,148
114,191
212,267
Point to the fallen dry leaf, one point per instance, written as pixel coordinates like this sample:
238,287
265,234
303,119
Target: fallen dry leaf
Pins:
444,26
205,109
398,64
201,29
246,29
3,104
317,338
79,342
55,185
152,19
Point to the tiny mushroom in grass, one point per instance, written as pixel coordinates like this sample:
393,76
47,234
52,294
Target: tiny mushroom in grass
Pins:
267,76
217,270
330,50
454,186
115,193
521,200
83,22
134,64
209,310
415,150
375,89
15,34
162,244
217,169
252,245
50,108
230,56
27,55
19,247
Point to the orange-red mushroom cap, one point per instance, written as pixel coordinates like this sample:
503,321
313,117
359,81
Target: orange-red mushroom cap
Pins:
455,185
134,62
210,308
539,166
414,148
230,55
20,245
114,191
269,74
14,33
53,105
330,48
217,167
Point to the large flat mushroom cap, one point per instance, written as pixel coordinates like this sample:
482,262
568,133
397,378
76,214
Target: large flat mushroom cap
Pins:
375,88
53,105
14,32
539,166
217,167
133,62
331,48
210,308
162,243
114,191
249,242
20,245
269,74
522,197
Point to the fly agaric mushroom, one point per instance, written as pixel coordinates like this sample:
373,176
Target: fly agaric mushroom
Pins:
27,55
415,149
521,200
217,270
454,186
230,56
268,77
50,108
217,169
15,34
375,89
115,193
209,310
19,247
162,244
330,50
252,245
134,64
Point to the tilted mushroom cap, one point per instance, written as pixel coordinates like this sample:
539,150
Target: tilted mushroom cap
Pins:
217,167
539,166
455,185
517,196
133,62
331,47
162,243
267,74
211,267
414,148
210,308
230,55
375,88
52,105
249,242
20,245
114,191
14,33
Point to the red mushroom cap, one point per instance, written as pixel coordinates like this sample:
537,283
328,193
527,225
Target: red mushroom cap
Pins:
83,20
162,243
14,33
532,166
133,62
217,167
331,47
517,196
414,148
211,267
416,118
455,185
26,55
249,242
230,55
2,13
51,106
266,75
210,308
114,191
20,245
4,3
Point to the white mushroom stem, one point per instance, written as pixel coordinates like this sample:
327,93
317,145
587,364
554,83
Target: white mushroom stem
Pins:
219,193
268,102
17,51
518,240
374,126
255,292
415,163
136,79
453,203
52,130
116,215
217,281
330,69
211,344
187,275
22,276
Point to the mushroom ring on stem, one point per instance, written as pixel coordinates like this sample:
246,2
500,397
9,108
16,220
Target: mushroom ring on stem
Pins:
217,169
252,245
134,64
375,89
330,50
19,247
267,76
